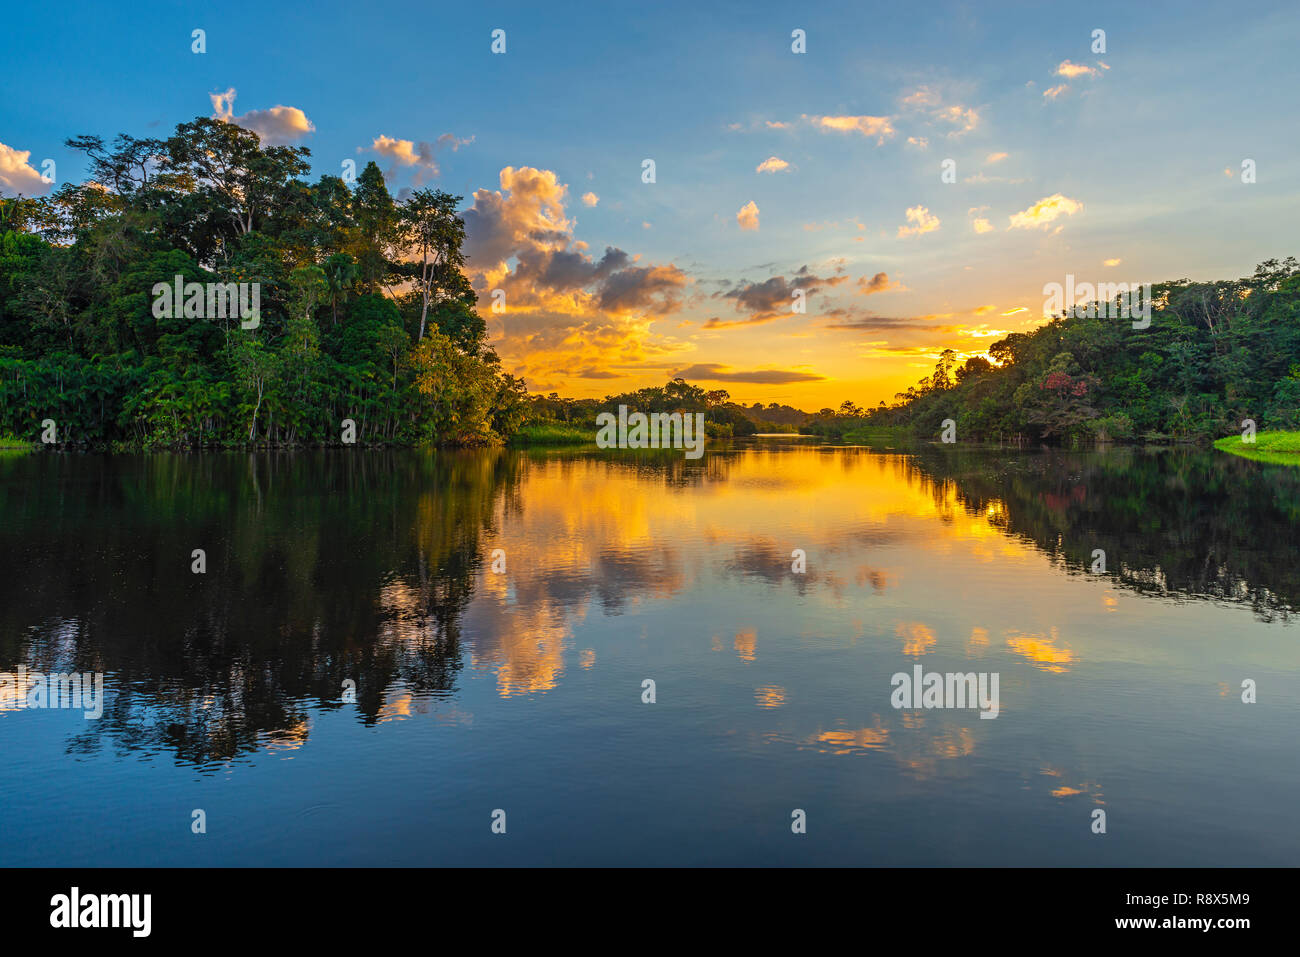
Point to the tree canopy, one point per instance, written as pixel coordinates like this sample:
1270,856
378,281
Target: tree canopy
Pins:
364,309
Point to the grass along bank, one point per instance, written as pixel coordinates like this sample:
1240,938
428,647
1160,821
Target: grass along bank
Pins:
9,445
1275,448
551,433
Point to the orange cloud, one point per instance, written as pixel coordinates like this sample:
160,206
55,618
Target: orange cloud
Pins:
877,126
1045,211
923,222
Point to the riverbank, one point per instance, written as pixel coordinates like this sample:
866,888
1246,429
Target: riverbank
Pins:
1274,448
551,433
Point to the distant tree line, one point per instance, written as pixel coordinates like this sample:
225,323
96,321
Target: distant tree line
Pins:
722,417
1214,355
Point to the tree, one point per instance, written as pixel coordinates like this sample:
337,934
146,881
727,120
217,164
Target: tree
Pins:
340,272
435,234
974,366
376,231
125,168
228,182
256,366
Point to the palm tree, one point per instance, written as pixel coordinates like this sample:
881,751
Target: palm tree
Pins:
340,273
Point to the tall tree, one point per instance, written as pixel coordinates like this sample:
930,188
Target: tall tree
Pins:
435,233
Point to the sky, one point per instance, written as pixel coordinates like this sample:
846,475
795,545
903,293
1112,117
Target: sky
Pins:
800,242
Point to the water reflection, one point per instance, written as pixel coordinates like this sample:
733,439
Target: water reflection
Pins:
319,568
374,568
1177,524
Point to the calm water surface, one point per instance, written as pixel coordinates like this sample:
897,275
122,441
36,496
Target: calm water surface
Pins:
522,690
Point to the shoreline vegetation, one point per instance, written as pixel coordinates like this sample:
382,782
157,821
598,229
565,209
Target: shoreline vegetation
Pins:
9,445
363,329
1273,448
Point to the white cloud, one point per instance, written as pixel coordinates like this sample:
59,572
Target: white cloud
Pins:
17,176
278,126
747,218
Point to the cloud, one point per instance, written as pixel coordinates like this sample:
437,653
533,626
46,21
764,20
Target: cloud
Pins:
566,309
1112,262
17,176
995,158
420,155
924,222
900,327
965,119
920,142
590,199
979,223
747,218
880,127
716,372
922,96
646,289
880,282
1072,70
772,165
528,212
1045,211
958,119
612,283
983,332
772,298
278,126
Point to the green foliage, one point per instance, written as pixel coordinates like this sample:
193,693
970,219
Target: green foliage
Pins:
551,433
1213,355
340,308
722,417
1275,448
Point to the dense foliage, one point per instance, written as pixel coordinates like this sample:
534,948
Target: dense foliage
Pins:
365,313
722,417
1214,355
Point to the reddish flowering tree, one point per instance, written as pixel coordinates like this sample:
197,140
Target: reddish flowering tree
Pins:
1066,385
1062,401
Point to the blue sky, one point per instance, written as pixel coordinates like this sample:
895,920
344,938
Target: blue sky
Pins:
1142,144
